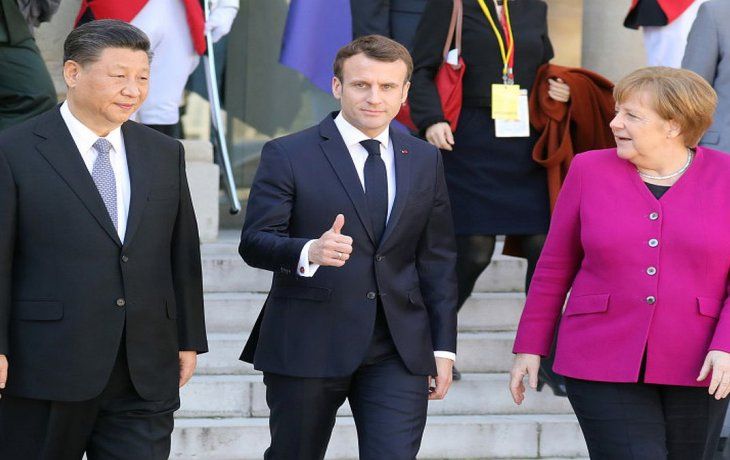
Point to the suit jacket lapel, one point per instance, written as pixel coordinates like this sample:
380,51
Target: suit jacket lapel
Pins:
139,174
336,152
59,149
402,163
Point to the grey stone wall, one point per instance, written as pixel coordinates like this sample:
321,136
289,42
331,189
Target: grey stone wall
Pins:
50,37
608,47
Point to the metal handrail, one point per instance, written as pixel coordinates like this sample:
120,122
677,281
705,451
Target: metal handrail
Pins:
220,146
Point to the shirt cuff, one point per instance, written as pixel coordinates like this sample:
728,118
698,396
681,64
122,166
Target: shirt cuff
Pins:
305,269
445,354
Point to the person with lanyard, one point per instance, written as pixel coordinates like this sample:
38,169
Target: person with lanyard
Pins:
494,185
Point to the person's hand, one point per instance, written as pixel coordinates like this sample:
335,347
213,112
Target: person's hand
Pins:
559,90
443,379
719,363
332,248
440,135
524,364
3,371
188,360
220,22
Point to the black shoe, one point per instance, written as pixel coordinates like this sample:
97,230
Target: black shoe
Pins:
555,381
455,374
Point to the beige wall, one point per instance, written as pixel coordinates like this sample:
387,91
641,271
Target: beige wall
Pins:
565,26
590,33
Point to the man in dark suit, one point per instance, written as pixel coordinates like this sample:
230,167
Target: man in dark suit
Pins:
365,311
101,311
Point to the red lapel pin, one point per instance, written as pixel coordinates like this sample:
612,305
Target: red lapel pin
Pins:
404,151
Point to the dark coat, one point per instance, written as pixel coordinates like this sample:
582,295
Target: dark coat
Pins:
69,287
322,326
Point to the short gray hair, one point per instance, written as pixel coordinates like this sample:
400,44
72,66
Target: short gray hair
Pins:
86,43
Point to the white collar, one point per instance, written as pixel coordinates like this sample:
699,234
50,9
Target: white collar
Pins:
85,137
353,136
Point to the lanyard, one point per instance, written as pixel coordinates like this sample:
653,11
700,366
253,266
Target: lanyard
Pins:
508,55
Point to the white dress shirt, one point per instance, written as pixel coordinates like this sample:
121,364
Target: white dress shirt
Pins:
84,139
352,137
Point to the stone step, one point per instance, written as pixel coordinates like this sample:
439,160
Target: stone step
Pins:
225,271
475,394
472,437
233,312
477,352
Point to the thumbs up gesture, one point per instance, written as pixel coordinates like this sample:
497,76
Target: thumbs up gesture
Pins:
332,248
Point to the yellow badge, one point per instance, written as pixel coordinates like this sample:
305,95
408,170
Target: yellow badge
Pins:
505,102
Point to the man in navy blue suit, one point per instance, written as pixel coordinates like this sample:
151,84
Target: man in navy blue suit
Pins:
354,220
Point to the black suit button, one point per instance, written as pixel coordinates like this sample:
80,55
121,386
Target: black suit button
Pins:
371,295
125,259
379,257
121,302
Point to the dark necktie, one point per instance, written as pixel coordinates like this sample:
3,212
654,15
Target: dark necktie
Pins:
376,187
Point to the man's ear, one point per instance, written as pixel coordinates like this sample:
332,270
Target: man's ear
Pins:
336,88
404,96
71,71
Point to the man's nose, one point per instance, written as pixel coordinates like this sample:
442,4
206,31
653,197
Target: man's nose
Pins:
132,89
375,95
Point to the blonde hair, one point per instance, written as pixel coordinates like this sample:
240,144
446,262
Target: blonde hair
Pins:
679,95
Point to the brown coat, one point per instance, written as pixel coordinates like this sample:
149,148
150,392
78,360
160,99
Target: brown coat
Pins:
567,128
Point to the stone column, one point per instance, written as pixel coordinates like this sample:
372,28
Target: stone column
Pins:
608,47
50,37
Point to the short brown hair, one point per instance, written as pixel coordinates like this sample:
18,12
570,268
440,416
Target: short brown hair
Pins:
676,94
375,47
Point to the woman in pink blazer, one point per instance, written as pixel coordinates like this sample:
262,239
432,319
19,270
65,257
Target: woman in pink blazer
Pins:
640,237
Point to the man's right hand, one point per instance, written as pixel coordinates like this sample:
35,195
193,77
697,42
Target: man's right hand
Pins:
332,248
440,135
3,371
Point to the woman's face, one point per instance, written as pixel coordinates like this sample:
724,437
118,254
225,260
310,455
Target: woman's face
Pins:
640,131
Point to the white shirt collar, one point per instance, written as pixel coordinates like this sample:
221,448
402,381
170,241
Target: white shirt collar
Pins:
85,137
353,136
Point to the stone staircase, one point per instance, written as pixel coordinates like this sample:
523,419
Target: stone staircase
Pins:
224,412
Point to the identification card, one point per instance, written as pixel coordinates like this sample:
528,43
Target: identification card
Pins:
505,102
519,127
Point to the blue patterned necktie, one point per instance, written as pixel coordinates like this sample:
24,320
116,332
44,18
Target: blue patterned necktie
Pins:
103,176
376,187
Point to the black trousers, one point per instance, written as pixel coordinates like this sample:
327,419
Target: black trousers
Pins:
625,421
116,425
388,404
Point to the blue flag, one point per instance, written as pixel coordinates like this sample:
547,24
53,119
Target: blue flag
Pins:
315,30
